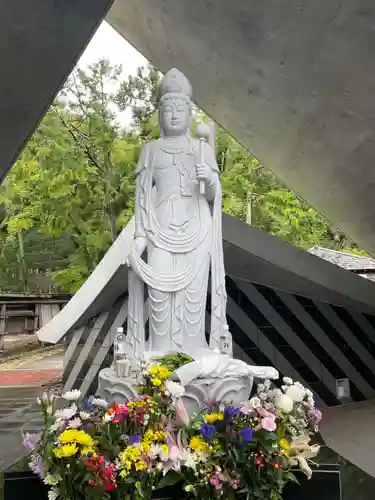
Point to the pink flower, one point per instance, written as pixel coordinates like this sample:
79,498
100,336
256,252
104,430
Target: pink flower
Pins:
246,411
268,423
215,481
263,413
182,416
174,455
174,450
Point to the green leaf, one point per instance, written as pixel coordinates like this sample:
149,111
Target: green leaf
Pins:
171,478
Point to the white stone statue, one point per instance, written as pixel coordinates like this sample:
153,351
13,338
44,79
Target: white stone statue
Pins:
178,221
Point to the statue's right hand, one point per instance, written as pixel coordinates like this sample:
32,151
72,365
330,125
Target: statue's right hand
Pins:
139,244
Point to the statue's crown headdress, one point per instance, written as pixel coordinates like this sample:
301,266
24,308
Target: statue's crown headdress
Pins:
175,82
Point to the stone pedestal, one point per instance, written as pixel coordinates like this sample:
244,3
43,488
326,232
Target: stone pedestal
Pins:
232,389
115,389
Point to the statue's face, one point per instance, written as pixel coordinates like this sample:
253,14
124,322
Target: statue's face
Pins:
175,117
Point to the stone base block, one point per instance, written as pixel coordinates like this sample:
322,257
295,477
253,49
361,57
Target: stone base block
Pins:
234,390
115,389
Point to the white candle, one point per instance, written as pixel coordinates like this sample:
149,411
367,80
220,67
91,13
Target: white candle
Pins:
123,367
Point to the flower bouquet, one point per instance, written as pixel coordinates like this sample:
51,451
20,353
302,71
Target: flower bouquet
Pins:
89,449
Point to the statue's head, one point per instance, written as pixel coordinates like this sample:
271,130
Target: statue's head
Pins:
174,104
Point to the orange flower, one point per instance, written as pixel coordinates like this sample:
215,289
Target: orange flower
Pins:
113,410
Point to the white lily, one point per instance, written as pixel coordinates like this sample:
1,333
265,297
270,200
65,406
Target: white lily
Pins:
66,413
72,395
99,402
300,452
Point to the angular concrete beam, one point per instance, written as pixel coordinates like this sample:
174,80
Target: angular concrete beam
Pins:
103,287
348,430
293,80
40,42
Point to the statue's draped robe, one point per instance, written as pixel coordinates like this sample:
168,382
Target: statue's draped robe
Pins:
184,241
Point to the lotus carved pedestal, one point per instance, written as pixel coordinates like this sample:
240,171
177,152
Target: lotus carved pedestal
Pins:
232,389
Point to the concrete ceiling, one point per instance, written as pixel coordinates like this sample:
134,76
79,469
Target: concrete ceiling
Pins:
293,80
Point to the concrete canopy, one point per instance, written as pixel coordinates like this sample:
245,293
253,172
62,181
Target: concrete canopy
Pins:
40,42
293,80
348,430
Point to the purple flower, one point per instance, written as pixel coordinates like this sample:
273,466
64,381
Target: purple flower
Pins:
31,440
134,438
230,412
88,403
208,431
37,465
245,434
315,416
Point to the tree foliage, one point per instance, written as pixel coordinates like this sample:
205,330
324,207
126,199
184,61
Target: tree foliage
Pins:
72,190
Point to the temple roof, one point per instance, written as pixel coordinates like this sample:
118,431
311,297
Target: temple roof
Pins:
360,264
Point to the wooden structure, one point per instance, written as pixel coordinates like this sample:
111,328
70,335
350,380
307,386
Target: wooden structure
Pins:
22,313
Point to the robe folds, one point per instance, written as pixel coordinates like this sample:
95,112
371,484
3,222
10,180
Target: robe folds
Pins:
183,233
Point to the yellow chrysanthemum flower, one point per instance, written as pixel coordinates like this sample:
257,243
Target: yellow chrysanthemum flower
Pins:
127,464
132,453
141,465
151,435
65,451
197,444
159,371
284,445
76,436
146,446
211,418
123,474
156,382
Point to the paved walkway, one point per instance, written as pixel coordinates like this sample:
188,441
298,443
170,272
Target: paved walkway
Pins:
20,384
31,371
34,369
28,377
18,413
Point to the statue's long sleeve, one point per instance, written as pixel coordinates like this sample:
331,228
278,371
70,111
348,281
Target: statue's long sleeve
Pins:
140,173
135,337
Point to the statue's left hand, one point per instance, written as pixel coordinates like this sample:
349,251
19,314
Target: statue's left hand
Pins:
204,172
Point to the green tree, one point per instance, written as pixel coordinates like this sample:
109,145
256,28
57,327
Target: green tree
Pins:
72,190
75,179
